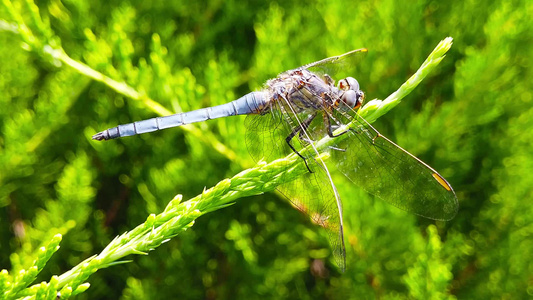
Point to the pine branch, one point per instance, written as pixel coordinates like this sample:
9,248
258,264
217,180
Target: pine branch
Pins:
178,216
377,108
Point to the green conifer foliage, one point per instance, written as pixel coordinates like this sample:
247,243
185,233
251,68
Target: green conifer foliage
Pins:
186,213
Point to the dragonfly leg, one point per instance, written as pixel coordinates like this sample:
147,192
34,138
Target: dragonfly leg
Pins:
328,125
305,125
300,130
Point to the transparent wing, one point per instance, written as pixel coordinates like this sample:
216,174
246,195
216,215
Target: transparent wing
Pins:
387,171
339,66
311,193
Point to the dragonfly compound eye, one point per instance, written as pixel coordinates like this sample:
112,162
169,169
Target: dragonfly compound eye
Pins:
352,99
349,83
349,98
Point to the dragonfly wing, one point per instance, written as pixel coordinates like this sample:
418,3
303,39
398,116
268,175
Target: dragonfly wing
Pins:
387,171
312,193
339,66
264,136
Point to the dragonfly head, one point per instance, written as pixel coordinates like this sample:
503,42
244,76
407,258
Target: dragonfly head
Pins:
351,95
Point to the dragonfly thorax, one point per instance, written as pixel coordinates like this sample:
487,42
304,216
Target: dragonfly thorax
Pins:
300,90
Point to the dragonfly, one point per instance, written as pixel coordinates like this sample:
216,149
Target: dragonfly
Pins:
297,109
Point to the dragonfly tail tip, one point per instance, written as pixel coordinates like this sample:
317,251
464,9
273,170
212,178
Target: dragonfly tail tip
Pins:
100,136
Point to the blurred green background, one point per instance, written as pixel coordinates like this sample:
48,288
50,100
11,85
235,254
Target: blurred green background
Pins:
472,120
